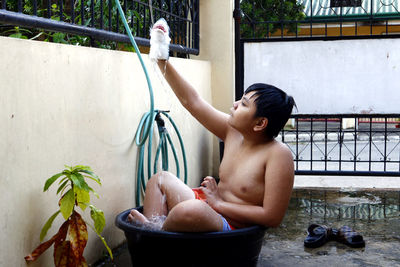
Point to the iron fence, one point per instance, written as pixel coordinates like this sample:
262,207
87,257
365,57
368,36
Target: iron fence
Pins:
344,144
99,19
277,20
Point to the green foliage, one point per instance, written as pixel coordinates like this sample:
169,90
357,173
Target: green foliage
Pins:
78,194
256,13
109,22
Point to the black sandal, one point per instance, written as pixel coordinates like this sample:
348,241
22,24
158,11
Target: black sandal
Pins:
317,235
349,237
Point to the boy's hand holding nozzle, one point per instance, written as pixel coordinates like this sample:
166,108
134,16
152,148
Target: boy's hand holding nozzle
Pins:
159,41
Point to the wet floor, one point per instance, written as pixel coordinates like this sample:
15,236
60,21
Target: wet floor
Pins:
376,215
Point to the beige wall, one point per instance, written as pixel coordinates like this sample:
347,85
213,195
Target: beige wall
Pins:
73,105
217,46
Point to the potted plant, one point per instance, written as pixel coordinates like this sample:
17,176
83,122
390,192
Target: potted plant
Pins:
70,240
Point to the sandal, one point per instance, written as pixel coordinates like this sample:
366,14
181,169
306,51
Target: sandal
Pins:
349,237
317,235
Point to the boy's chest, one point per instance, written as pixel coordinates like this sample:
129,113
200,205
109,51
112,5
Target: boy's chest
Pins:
243,174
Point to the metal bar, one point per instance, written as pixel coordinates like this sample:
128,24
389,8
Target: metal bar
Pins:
320,38
83,12
347,173
52,25
60,4
355,144
118,18
340,143
92,13
34,7
326,144
101,14
385,148
252,19
297,144
311,144
370,143
48,8
238,53
109,15
311,20
73,11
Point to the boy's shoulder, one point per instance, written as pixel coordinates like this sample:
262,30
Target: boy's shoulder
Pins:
279,150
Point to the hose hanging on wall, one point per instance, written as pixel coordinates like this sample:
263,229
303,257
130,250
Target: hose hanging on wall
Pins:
145,128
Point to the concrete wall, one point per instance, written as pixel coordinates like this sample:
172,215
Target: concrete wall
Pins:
217,46
72,105
353,76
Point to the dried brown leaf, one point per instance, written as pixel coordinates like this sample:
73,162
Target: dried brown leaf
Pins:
62,232
78,235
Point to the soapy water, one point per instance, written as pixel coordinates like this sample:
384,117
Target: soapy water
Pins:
155,223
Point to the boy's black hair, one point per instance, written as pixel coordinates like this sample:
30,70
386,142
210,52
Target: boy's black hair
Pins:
273,104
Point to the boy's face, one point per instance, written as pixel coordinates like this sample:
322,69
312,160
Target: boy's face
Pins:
243,113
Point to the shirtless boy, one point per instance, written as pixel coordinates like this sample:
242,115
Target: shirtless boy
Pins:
256,173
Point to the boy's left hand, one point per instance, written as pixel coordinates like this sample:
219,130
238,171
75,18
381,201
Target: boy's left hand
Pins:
210,189
159,41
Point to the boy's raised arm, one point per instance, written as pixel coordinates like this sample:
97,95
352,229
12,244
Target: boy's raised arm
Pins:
214,120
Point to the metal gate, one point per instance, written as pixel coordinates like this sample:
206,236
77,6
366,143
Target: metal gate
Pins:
328,144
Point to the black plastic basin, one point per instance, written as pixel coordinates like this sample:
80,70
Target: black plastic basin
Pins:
161,248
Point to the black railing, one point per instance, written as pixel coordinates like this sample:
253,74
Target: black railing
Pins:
278,20
345,144
99,19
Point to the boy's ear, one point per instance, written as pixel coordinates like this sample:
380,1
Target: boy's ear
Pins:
261,124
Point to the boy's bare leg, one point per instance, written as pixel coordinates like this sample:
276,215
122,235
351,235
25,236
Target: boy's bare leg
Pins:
163,191
193,216
166,195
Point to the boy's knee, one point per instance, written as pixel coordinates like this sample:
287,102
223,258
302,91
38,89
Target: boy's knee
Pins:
160,177
188,212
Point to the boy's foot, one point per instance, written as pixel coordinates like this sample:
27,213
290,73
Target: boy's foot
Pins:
136,217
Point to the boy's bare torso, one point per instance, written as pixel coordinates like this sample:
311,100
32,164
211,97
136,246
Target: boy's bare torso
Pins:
242,171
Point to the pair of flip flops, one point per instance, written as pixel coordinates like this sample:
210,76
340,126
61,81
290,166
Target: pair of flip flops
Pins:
318,235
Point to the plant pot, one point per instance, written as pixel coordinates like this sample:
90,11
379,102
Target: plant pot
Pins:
239,247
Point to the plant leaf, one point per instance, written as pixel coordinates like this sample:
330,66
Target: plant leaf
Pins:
61,234
78,235
75,180
104,242
60,246
98,219
82,197
94,179
47,225
61,254
40,249
107,247
63,179
82,181
82,167
61,187
67,203
51,180
93,175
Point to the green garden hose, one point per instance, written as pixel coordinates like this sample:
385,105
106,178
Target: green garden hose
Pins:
145,128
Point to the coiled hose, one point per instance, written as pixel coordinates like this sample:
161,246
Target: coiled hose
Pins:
144,131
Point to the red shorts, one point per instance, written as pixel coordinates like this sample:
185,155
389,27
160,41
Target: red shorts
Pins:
198,194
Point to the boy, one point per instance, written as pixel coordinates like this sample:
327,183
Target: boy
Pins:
256,173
